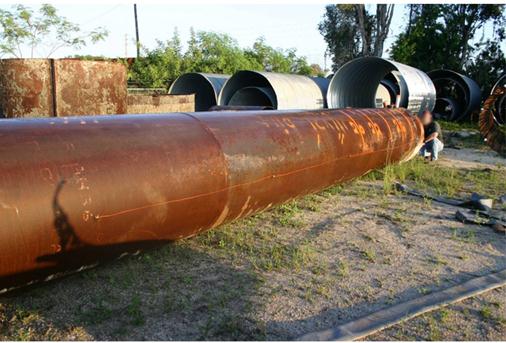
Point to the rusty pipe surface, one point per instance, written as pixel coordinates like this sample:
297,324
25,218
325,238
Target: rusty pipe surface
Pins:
75,192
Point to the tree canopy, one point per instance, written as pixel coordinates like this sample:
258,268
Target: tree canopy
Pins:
444,36
350,31
212,52
22,27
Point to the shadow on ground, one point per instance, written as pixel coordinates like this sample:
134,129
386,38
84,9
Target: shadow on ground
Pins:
173,293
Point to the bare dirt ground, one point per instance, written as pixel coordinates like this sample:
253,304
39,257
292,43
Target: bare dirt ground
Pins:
308,265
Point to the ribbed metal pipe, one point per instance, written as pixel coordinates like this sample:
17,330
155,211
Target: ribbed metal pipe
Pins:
493,117
283,91
206,88
76,192
446,108
462,91
500,103
355,85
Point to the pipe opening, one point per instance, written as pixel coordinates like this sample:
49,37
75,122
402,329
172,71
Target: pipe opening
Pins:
464,93
205,87
356,84
445,108
251,86
253,96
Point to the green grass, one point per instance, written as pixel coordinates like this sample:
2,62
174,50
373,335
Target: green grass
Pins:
457,126
463,235
440,180
437,260
260,246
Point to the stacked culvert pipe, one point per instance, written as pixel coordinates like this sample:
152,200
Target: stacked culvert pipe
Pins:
279,91
493,118
356,84
500,105
206,88
458,96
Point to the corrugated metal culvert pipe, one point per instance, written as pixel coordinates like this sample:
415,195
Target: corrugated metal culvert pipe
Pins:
493,118
500,105
279,91
79,191
206,88
356,84
457,95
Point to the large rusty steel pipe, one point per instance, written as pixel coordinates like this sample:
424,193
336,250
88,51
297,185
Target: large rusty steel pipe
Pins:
78,191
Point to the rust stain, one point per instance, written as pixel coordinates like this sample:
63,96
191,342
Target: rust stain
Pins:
25,88
79,87
90,87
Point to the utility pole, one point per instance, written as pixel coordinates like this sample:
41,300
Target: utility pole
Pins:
126,45
137,43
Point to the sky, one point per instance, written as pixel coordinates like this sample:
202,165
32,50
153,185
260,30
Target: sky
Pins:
283,25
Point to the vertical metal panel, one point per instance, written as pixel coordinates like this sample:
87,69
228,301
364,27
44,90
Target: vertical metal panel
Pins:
206,88
90,87
355,84
65,87
288,91
78,191
25,88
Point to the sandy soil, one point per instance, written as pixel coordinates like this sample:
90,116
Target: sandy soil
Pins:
322,261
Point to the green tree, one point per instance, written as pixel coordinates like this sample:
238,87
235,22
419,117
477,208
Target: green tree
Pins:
443,36
211,52
351,31
316,70
340,31
160,65
422,44
267,58
22,27
488,66
463,21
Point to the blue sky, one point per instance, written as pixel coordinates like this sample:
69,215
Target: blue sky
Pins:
283,25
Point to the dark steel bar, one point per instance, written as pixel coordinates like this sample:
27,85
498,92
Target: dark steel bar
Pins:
240,108
79,191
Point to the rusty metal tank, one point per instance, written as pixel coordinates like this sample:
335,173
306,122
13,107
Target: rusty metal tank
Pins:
26,88
78,191
61,87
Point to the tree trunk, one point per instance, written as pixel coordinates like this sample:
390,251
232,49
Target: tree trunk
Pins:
361,13
384,14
